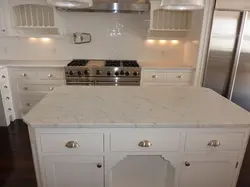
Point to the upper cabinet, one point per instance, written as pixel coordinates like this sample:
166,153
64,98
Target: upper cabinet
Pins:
170,23
4,18
233,5
27,17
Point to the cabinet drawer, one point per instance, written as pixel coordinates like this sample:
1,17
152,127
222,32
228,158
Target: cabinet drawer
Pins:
29,101
41,73
56,143
179,77
154,76
23,87
225,142
5,89
24,74
160,140
50,74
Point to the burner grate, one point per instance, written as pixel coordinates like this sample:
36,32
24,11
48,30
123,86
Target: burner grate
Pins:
78,63
113,63
130,63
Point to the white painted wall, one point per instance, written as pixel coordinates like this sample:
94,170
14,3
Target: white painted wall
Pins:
115,36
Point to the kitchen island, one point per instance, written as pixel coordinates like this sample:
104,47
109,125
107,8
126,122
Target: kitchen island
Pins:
137,137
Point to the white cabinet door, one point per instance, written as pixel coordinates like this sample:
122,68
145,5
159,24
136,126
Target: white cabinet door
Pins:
73,171
208,171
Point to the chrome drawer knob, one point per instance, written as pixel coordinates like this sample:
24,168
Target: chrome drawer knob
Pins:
7,98
28,104
72,144
50,75
214,143
5,86
9,109
180,76
3,77
23,74
99,165
51,88
187,163
154,76
25,88
145,143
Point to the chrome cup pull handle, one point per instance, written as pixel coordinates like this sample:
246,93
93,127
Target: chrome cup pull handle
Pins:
214,143
145,143
154,76
180,76
23,74
72,144
50,75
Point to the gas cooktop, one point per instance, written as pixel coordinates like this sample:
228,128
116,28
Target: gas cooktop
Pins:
81,71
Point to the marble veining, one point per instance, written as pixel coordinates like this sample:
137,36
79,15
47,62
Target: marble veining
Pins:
83,106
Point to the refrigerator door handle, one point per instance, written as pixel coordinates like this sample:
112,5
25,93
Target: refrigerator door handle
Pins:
237,55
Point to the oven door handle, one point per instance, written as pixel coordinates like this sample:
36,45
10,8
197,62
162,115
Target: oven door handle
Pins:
118,83
80,83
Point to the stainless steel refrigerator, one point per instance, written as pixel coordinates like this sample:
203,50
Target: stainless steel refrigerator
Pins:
227,69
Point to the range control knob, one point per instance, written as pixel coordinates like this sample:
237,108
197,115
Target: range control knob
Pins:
98,72
127,73
122,72
86,72
116,73
71,73
135,73
79,73
108,73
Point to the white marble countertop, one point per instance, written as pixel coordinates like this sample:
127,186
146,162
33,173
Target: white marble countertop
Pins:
33,63
165,65
168,107
62,63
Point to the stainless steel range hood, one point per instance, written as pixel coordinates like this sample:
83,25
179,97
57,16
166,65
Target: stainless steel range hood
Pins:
113,6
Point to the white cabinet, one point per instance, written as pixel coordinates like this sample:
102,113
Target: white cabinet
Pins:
4,18
161,77
143,171
7,98
30,85
75,171
115,157
208,171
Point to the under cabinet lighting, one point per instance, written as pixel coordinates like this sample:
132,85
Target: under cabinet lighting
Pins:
150,41
175,42
162,42
32,39
45,40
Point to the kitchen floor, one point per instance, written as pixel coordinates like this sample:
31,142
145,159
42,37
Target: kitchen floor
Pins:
16,166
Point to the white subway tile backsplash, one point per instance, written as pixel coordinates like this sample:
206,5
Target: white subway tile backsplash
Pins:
114,36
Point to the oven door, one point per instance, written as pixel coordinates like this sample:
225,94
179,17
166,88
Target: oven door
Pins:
116,81
80,81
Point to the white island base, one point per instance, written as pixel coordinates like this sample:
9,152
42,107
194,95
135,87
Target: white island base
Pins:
171,144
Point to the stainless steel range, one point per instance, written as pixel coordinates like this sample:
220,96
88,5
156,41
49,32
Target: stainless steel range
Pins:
103,72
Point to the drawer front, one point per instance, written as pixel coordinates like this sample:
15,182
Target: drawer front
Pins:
77,143
51,74
38,73
166,83
154,76
36,87
4,76
24,74
5,89
29,101
213,141
179,77
140,140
